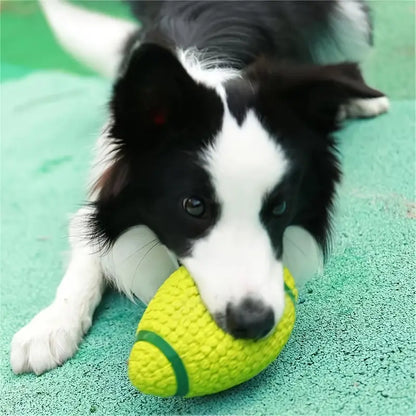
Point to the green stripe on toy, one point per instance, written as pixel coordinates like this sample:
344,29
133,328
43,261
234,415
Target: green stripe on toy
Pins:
174,359
184,332
292,295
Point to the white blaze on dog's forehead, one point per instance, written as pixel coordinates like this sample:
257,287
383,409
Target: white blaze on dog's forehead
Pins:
245,163
236,259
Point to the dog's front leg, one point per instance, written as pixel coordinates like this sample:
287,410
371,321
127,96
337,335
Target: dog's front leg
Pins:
53,335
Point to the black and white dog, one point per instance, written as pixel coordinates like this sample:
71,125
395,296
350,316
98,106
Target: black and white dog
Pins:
218,154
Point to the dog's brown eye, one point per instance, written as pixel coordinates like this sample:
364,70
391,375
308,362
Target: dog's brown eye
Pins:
279,209
193,206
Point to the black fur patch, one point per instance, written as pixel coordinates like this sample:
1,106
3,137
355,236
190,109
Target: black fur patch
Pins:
156,163
298,105
240,97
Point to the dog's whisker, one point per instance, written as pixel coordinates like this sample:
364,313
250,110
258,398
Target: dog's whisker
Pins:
136,251
157,243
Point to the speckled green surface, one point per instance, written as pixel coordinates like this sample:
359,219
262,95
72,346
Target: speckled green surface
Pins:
353,348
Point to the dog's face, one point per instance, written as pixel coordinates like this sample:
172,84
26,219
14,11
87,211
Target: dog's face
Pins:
219,174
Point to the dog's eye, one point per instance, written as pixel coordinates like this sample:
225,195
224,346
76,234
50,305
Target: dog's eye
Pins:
193,206
279,209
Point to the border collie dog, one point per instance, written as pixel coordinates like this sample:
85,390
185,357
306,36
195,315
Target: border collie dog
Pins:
218,154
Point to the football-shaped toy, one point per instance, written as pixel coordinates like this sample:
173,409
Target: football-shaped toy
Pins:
180,350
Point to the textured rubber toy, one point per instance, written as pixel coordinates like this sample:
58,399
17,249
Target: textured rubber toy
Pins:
180,351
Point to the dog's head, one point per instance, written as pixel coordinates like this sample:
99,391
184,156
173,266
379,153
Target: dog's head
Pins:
219,174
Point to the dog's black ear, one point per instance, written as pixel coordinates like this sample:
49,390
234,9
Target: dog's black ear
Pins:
155,99
314,93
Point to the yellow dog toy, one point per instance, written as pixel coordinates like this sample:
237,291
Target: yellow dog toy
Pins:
180,351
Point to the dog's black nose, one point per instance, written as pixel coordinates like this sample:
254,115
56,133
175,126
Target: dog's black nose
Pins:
249,319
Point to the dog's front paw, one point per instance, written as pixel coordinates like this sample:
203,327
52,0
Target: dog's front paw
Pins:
48,340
